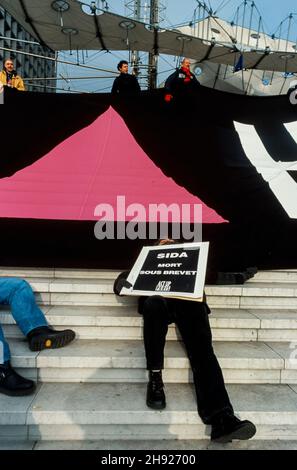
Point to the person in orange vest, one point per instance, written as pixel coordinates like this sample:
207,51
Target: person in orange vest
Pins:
9,77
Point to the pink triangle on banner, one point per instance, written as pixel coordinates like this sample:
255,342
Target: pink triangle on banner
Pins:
92,167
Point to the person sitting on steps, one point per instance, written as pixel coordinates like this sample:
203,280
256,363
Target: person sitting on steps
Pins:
191,318
18,294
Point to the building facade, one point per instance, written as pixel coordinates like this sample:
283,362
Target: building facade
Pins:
31,68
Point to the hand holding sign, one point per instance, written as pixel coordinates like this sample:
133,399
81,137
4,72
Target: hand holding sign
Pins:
121,282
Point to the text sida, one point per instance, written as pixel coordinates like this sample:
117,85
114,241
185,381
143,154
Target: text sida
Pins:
172,255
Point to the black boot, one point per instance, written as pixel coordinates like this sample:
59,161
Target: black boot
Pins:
13,384
229,427
47,338
155,397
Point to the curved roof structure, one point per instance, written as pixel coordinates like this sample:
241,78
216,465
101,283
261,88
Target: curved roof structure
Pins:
64,25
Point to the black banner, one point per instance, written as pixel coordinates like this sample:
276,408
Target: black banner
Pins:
195,143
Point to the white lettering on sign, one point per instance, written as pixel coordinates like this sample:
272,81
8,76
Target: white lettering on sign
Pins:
179,273
169,265
172,255
163,286
151,273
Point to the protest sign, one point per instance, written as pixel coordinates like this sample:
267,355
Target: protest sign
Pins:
170,270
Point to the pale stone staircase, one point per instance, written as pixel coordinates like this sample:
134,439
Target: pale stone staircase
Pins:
94,389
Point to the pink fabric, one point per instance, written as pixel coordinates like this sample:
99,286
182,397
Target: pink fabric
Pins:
92,167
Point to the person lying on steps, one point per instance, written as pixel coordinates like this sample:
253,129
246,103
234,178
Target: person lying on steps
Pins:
191,318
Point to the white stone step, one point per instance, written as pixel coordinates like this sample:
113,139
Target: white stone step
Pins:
59,273
289,275
147,445
96,292
103,372
105,286
123,322
282,275
180,445
118,411
124,361
253,296
17,444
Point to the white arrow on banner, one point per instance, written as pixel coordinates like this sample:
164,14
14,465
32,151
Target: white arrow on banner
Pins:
275,173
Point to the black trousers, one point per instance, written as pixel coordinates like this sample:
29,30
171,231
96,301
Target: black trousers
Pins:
192,321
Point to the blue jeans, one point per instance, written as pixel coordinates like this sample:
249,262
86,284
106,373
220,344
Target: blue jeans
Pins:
19,295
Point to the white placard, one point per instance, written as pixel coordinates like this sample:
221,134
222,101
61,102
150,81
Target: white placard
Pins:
170,270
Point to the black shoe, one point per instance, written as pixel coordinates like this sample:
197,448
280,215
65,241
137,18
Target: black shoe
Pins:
155,397
47,338
12,384
229,427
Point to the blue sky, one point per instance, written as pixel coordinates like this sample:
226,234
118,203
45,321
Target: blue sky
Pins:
177,12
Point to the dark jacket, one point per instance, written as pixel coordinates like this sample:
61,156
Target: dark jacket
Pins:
125,84
175,84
